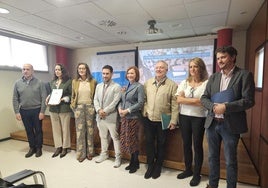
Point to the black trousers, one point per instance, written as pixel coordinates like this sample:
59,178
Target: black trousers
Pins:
33,127
192,130
155,139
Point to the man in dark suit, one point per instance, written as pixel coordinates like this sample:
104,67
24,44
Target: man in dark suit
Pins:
226,119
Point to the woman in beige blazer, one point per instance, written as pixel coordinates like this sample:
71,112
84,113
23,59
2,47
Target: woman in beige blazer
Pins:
83,89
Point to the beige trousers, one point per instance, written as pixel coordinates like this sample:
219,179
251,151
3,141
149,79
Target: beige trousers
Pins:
61,129
107,130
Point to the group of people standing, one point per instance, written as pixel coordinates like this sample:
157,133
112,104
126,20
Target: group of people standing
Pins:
192,104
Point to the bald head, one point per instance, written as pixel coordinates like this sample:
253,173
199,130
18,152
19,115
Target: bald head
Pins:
27,71
28,65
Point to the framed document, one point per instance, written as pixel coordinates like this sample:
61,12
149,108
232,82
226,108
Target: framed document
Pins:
55,97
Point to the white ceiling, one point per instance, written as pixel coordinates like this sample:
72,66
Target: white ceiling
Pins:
76,23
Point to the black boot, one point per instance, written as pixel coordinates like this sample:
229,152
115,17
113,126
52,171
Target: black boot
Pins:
157,171
149,171
136,163
130,163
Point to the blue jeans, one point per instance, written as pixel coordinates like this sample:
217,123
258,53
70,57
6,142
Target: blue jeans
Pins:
217,132
33,127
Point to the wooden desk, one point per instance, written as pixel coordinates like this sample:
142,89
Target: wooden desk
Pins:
174,151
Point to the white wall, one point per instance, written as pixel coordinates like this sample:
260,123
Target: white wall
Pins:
84,55
8,122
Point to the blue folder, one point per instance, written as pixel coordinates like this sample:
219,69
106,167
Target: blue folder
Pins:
223,96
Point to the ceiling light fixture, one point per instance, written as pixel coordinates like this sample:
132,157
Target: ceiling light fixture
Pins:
121,32
176,25
79,37
4,11
152,30
107,23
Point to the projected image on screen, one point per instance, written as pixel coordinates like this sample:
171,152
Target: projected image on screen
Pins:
177,60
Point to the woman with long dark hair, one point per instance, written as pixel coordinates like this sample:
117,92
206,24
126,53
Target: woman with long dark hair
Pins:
60,114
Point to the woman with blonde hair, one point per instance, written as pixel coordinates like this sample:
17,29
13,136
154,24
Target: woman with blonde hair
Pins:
192,118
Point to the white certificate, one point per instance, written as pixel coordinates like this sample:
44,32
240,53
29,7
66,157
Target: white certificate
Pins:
55,97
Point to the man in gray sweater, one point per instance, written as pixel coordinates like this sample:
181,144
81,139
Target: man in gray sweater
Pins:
29,106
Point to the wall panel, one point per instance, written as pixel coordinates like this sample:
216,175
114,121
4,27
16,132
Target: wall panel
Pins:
255,128
263,163
258,28
256,36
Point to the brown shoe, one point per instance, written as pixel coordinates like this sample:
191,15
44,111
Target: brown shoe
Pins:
89,157
81,159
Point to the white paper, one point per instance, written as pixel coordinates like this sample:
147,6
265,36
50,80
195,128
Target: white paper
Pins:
55,97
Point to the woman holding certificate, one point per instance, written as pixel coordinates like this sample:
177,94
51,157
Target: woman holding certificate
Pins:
83,89
192,118
59,109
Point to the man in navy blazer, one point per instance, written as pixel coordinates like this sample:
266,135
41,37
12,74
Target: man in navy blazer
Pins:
226,120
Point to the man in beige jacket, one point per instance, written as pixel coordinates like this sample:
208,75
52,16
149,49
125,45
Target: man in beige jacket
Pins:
159,98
